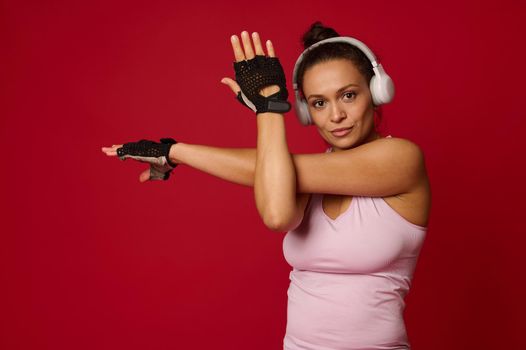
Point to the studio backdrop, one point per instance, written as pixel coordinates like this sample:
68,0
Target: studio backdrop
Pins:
90,258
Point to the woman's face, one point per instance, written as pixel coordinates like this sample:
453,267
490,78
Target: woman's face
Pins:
338,97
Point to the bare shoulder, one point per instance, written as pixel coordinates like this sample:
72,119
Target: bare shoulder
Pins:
401,144
405,151
413,205
402,156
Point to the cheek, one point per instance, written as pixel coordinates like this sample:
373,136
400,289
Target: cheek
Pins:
318,120
318,123
323,134
319,116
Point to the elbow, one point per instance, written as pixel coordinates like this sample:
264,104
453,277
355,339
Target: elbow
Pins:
279,223
274,224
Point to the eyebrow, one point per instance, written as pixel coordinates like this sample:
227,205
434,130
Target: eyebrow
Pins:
337,92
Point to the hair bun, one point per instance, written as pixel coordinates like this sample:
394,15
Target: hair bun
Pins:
317,32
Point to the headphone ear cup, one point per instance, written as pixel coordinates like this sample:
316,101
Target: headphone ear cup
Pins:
302,111
382,87
375,91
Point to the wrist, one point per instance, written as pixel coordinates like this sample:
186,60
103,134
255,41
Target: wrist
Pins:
269,115
174,153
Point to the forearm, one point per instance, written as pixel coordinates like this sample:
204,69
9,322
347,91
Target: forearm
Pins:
275,176
236,165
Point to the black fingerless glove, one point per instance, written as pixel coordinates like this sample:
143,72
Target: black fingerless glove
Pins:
157,154
255,74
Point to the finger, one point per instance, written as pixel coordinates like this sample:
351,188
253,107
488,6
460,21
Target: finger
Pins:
249,52
111,151
257,44
145,175
232,84
238,51
270,49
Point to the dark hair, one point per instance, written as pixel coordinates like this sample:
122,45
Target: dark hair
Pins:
330,51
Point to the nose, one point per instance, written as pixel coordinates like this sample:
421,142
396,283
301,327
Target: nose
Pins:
337,113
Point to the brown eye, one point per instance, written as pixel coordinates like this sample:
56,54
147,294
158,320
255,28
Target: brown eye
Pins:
350,94
315,104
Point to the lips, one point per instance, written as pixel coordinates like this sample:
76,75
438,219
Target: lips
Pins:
341,131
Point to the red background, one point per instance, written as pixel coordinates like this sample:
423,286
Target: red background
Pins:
92,259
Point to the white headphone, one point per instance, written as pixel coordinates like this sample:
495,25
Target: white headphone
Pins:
381,85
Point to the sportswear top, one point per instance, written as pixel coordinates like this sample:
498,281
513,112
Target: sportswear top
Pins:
350,276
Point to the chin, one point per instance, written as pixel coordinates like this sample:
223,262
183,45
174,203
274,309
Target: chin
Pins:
342,145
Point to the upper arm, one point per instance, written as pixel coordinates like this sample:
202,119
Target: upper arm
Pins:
385,167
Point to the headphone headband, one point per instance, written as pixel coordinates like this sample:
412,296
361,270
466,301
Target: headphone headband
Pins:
339,39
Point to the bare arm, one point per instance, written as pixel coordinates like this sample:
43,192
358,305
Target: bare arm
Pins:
236,165
275,175
384,167
381,168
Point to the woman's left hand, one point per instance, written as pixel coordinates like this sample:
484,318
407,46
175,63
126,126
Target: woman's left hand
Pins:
247,53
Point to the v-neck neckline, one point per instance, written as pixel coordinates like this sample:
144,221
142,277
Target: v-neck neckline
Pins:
338,218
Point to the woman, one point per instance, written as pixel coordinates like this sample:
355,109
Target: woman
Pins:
356,215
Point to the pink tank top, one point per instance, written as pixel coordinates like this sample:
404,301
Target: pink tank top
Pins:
350,276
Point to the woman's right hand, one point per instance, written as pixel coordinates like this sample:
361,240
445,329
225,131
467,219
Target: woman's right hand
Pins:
145,151
260,80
